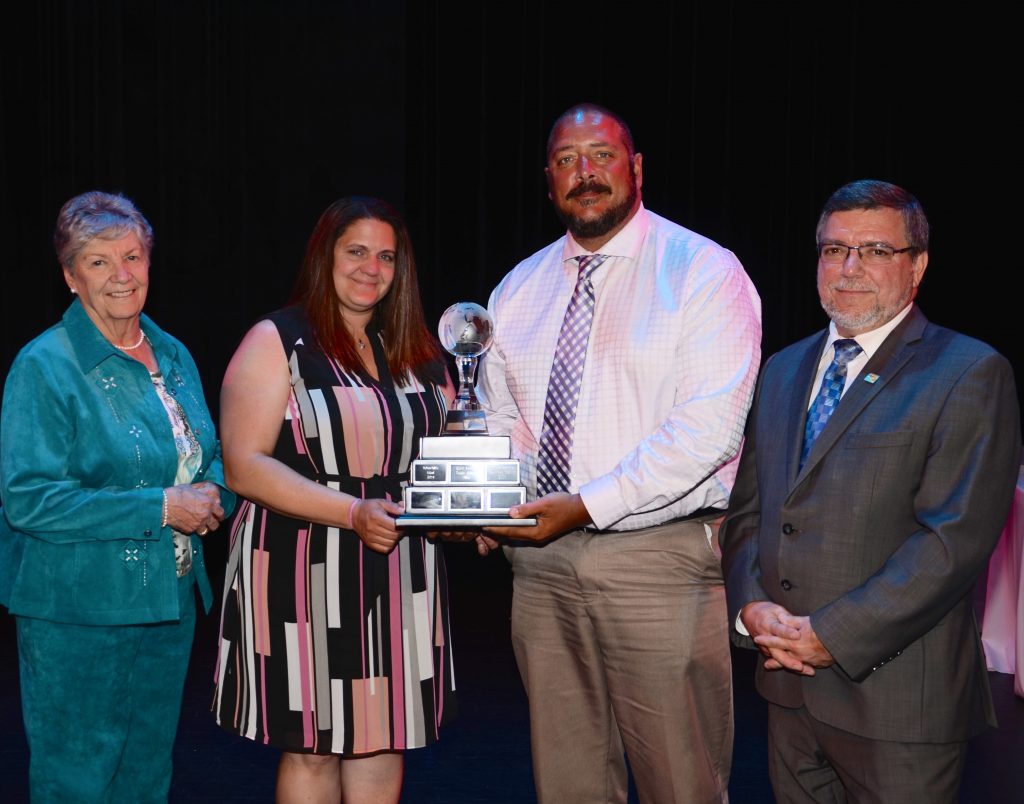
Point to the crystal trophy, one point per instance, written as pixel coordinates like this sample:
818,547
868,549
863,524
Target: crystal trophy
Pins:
464,477
466,330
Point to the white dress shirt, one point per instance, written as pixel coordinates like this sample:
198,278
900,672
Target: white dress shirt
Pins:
867,341
672,358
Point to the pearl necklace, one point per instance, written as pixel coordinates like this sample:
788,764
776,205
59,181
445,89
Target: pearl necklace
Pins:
134,346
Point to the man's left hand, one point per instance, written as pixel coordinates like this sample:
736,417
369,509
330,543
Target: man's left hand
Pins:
556,514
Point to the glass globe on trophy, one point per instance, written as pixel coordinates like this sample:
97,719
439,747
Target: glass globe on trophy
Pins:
464,477
466,331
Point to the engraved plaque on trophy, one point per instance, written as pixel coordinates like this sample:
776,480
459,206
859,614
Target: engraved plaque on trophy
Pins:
464,477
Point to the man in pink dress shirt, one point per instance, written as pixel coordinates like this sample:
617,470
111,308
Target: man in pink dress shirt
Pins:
619,620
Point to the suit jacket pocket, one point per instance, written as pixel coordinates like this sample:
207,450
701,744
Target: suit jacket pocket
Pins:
896,438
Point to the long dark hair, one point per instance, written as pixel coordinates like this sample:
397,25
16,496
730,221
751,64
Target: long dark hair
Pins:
408,344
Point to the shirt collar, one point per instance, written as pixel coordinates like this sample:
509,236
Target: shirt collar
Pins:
91,348
871,340
626,243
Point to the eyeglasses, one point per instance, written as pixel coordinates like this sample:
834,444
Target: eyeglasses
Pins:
869,253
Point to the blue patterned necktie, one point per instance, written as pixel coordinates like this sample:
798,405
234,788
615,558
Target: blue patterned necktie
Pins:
829,393
555,455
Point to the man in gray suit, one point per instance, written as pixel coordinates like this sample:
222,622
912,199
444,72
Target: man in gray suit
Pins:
853,539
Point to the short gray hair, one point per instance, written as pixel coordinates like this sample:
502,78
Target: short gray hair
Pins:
875,194
97,214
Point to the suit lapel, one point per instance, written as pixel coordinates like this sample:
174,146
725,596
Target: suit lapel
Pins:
885,364
798,391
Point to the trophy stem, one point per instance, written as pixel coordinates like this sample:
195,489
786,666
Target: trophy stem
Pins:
466,399
466,416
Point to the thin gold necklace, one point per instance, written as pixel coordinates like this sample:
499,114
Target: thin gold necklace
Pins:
360,343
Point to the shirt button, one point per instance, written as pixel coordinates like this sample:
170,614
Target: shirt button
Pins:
788,529
786,585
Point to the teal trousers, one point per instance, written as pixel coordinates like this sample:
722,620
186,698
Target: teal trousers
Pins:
101,705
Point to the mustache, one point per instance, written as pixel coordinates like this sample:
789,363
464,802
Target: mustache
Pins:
853,285
592,186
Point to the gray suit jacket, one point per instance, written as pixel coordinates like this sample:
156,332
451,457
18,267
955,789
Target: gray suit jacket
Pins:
883,533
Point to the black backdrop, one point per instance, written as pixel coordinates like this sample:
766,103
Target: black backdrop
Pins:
233,124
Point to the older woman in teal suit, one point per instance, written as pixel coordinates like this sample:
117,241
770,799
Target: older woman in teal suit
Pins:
110,472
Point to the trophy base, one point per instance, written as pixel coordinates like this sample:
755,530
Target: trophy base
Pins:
462,501
464,472
460,522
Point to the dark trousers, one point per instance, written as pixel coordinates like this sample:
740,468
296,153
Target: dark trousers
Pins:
811,761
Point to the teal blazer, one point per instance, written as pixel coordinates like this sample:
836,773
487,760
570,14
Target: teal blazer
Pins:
86,450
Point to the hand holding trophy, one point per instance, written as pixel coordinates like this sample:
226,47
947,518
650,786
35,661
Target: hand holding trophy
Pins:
465,477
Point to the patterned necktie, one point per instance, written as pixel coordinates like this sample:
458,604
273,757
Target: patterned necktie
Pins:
829,393
555,453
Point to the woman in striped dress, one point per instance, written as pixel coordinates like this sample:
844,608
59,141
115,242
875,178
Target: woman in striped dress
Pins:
335,642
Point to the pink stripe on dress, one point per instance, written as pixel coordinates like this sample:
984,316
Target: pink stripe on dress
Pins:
263,656
397,668
352,432
301,623
260,571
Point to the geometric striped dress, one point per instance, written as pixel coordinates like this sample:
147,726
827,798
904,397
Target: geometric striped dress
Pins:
327,647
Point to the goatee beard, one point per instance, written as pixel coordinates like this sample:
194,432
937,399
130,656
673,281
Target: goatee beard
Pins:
600,226
864,320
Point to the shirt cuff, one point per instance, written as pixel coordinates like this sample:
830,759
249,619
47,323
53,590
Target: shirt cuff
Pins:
603,501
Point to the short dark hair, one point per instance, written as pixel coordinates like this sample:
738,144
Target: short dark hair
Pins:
408,344
873,194
582,108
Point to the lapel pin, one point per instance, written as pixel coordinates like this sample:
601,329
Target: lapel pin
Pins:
871,378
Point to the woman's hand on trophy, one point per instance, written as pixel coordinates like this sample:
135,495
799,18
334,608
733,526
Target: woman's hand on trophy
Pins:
454,535
374,522
484,544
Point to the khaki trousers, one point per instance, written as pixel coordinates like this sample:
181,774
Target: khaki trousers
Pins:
622,643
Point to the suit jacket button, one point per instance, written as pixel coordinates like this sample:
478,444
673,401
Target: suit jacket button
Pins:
786,585
788,529
147,533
